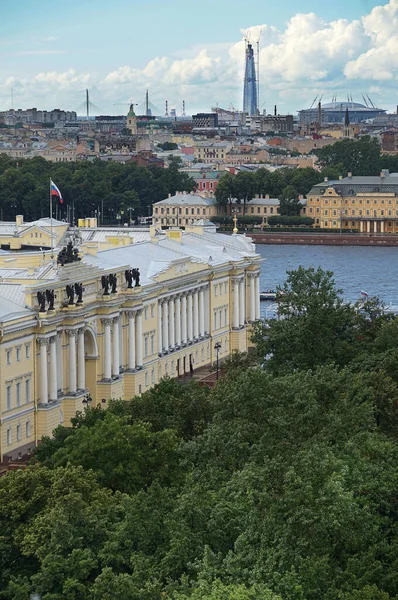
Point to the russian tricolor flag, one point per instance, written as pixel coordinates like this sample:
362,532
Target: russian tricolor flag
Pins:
364,294
55,191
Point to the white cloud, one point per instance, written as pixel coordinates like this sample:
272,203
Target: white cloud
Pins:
309,56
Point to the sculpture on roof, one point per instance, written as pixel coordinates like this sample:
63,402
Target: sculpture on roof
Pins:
41,298
79,289
68,255
132,275
113,282
105,284
136,277
70,292
50,297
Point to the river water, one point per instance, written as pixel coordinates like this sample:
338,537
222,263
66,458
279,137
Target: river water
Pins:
374,270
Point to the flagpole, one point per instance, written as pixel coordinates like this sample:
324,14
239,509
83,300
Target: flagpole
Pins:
51,222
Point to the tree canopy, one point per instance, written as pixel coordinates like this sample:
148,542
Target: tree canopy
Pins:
278,484
92,187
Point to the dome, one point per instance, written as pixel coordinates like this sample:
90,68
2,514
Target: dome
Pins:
345,105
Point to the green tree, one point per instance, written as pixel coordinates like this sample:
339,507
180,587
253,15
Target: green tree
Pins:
289,204
225,191
360,157
316,325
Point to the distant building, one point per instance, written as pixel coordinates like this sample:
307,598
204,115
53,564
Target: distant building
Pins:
110,123
250,83
205,120
335,112
211,152
33,115
132,120
367,204
276,123
389,141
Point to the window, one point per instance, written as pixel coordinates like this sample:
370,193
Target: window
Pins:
215,320
220,289
18,353
27,429
326,212
9,436
153,375
226,288
18,393
145,346
8,397
19,432
27,350
152,343
146,313
8,355
215,290
172,368
152,310
146,379
225,316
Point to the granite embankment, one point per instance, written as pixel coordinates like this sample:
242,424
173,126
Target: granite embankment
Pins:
319,239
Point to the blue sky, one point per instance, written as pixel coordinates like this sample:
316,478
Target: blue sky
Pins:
50,51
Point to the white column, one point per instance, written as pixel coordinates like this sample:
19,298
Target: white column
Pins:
207,309
361,226
196,314
165,322
201,312
257,288
171,323
178,321
52,388
236,304
81,367
160,341
131,318
189,317
43,371
72,361
381,226
242,304
107,349
368,226
121,345
138,338
252,298
115,348
60,364
184,319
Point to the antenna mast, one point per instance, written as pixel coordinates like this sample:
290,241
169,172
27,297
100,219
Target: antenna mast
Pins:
147,104
166,113
87,104
183,108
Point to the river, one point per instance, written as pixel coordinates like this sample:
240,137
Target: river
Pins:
374,270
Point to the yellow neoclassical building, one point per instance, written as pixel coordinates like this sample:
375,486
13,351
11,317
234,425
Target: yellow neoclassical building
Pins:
87,328
365,204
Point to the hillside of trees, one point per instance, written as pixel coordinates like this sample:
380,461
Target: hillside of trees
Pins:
91,187
279,484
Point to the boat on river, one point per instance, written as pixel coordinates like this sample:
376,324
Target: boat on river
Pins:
268,296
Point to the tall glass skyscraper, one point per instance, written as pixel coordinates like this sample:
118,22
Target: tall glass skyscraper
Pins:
250,83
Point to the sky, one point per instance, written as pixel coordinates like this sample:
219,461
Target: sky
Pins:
52,50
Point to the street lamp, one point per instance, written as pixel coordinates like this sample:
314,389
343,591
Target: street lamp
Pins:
217,348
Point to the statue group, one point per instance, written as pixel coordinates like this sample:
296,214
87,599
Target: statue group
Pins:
46,297
132,275
68,254
72,290
109,281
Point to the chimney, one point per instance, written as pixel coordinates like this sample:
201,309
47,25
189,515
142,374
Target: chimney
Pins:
267,196
169,195
326,179
275,111
19,220
340,177
349,175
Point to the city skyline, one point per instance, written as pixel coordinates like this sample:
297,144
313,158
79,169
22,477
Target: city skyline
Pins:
49,55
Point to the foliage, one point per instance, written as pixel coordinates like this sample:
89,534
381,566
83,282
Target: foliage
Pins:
93,187
166,146
289,220
360,157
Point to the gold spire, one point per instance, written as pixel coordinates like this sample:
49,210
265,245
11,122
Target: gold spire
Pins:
235,220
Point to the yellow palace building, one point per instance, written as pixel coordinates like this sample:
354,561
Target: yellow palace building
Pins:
365,204
112,322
